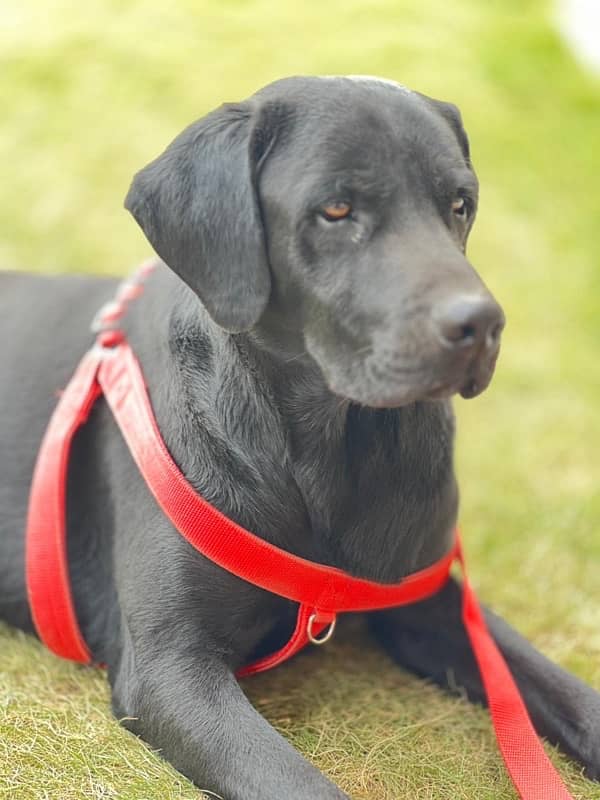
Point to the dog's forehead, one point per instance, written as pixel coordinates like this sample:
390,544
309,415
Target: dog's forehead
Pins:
347,108
316,90
338,105
361,120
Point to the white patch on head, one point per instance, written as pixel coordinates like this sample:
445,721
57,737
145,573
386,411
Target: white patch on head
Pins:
371,79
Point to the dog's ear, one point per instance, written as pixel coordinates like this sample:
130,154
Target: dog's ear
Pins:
452,116
197,204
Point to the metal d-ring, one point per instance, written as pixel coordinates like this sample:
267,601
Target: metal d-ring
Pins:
323,639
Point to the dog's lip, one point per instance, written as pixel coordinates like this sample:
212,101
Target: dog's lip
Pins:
440,391
479,375
469,376
469,384
436,390
471,389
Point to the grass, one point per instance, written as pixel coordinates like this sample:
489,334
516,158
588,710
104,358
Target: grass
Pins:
90,93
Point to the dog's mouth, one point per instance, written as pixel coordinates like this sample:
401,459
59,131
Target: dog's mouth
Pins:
424,367
474,380
467,377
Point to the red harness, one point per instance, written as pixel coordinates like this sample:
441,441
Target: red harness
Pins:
111,369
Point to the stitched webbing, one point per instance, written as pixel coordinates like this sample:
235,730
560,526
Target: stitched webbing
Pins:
530,769
47,576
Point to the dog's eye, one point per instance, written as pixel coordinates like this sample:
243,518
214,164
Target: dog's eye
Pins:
460,207
337,210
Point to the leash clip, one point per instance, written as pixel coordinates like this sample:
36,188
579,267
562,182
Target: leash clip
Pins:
319,617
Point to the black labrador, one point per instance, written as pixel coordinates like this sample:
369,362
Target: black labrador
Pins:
316,315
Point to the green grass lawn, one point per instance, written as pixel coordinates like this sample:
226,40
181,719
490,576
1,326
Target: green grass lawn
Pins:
89,93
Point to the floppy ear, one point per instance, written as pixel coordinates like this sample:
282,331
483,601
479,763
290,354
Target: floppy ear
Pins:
198,206
452,116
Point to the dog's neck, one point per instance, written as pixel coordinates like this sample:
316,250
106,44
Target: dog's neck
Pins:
263,439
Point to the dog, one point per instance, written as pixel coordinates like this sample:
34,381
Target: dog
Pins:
311,316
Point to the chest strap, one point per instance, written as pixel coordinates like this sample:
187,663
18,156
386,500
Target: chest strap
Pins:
112,370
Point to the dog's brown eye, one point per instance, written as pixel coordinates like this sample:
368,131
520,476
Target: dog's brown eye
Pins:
335,211
459,207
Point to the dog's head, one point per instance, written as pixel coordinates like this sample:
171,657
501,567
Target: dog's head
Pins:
330,215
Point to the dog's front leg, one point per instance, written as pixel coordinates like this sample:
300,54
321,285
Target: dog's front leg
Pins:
429,639
195,713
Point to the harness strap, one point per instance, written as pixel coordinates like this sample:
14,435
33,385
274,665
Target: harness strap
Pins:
47,573
321,591
298,641
112,369
224,541
531,771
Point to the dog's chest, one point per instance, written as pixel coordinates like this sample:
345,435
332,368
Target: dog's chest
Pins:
382,498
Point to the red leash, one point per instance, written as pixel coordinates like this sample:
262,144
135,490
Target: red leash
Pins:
112,370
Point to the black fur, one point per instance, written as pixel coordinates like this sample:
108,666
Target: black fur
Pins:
300,374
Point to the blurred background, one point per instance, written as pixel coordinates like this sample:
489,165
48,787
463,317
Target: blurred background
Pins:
90,92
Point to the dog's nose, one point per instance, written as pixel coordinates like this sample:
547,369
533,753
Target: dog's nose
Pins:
470,321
